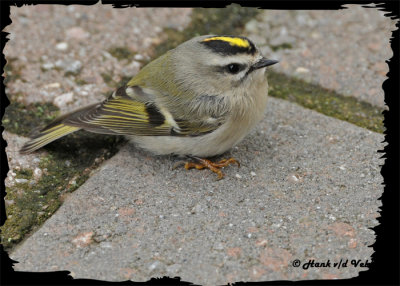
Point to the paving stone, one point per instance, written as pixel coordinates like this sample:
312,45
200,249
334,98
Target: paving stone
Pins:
314,196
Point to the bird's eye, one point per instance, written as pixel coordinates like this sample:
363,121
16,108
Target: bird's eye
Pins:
234,68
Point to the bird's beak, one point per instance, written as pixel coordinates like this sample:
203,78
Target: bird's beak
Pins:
263,63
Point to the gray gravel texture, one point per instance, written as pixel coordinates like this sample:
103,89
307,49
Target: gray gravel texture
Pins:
308,188
343,50
49,41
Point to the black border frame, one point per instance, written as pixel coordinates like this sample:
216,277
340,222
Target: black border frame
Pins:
384,269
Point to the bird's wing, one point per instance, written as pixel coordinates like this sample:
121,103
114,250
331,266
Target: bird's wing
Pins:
133,111
128,111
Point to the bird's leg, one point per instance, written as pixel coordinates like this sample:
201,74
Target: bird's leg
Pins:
215,167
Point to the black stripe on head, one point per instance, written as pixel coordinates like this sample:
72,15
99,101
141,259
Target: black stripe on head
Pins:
229,45
156,118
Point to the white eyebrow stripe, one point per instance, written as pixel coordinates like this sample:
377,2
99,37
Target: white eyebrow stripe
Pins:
226,60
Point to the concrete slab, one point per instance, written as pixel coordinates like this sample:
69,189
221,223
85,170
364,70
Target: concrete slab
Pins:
308,189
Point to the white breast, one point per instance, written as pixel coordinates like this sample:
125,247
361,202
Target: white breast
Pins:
247,112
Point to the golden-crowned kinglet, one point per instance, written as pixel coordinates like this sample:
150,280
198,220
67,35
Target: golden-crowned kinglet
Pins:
198,99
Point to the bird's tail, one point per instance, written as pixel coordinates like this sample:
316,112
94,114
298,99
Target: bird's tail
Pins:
47,135
60,127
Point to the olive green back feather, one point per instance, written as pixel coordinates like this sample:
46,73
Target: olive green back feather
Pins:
120,114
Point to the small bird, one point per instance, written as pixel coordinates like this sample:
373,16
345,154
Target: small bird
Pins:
196,100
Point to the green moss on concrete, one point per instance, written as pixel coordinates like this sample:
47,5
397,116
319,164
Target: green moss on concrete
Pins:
72,73
281,47
80,81
24,174
67,165
326,101
121,53
23,119
12,71
29,208
108,79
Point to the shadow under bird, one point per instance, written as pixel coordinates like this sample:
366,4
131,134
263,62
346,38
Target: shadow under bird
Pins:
197,100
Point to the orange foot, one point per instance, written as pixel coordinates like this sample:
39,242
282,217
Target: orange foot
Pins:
215,167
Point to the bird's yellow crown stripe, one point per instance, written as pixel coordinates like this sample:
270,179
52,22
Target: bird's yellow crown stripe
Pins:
233,41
